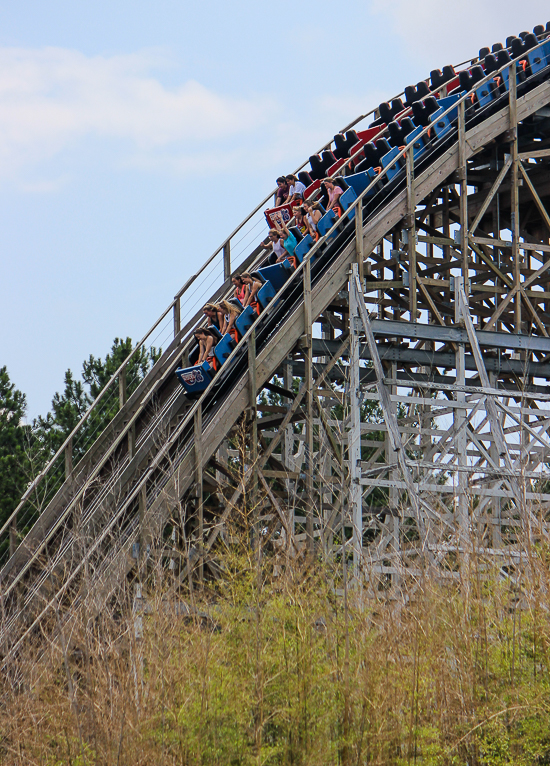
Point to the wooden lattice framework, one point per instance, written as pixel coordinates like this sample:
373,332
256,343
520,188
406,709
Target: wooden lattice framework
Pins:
443,329
411,423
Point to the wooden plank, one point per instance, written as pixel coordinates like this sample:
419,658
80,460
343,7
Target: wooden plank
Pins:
280,474
197,429
227,259
491,242
534,154
436,240
450,489
503,291
434,282
388,284
462,173
508,243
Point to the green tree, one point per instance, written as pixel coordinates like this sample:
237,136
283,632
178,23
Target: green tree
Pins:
14,464
70,405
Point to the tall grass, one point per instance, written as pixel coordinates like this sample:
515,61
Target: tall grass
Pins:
268,665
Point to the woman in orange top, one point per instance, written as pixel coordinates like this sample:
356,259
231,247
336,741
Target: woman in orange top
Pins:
207,340
241,290
300,220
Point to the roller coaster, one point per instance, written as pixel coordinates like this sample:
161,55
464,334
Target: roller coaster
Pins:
426,304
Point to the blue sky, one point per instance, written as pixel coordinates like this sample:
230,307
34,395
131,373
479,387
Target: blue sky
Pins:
134,136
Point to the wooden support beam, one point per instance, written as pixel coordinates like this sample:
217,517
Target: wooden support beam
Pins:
143,539
411,230
14,536
535,154
462,173
354,434
309,410
227,260
392,425
496,426
492,192
253,404
488,262
287,524
132,441
359,239
177,316
197,428
514,203
69,459
122,393
501,243
533,312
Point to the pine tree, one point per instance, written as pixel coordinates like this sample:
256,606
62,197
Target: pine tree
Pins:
69,406
14,437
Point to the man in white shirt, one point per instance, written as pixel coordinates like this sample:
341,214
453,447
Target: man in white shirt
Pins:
296,190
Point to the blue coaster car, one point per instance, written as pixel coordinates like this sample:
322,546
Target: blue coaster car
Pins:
303,247
360,181
265,294
195,379
223,348
276,274
326,222
347,199
388,158
245,320
539,58
487,92
419,143
442,123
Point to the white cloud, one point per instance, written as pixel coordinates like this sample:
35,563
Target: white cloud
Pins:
55,103
51,98
441,33
346,107
44,185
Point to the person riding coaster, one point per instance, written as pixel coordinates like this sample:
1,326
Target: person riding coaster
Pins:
334,192
314,213
212,315
253,284
228,313
289,242
206,339
241,290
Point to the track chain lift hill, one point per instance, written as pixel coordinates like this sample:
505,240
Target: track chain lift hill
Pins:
407,358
